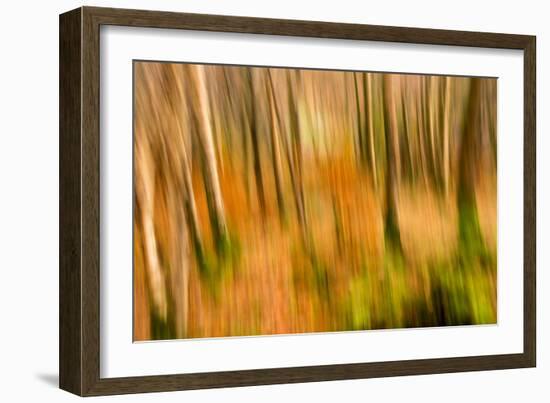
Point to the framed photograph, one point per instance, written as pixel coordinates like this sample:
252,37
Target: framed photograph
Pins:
249,201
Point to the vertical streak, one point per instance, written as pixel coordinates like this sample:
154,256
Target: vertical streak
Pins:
208,148
446,134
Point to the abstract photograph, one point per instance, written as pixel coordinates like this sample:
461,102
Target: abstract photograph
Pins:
283,200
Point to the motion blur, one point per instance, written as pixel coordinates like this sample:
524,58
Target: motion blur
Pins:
276,200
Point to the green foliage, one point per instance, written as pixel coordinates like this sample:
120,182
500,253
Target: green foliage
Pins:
161,329
217,263
460,288
471,241
320,275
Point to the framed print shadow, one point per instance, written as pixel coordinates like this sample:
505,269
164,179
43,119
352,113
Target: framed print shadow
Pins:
248,201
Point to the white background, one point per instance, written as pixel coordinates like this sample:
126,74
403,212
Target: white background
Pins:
120,357
29,202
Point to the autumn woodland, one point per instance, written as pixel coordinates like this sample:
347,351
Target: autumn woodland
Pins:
277,200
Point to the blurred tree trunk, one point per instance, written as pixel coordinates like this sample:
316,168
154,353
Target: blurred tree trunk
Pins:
296,167
432,107
180,260
406,146
359,127
469,230
243,115
182,253
420,131
369,123
211,178
426,131
191,213
468,149
446,136
145,192
393,159
253,125
275,147
488,132
179,250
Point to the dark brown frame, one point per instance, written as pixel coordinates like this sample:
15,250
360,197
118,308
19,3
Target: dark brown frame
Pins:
79,322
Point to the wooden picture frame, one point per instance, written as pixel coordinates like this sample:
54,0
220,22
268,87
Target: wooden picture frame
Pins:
79,349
